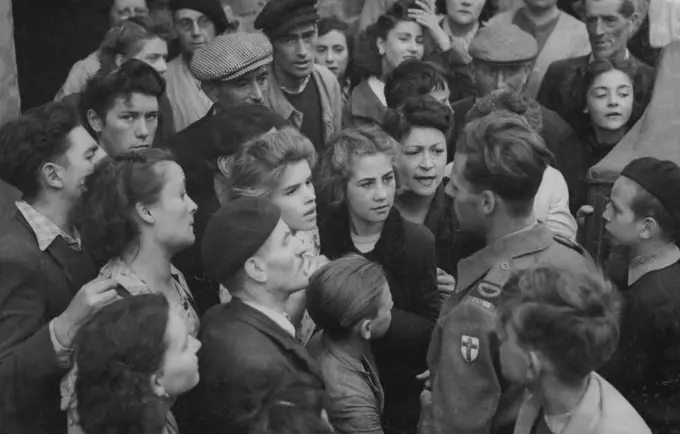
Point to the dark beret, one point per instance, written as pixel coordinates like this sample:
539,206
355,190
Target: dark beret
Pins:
503,44
660,179
211,8
279,16
235,233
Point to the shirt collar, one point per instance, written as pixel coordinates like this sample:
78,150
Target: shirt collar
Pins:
46,231
591,59
280,318
658,260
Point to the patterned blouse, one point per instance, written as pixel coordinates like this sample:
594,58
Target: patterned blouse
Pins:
312,245
119,271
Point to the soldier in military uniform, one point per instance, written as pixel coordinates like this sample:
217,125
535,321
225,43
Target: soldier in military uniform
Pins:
497,169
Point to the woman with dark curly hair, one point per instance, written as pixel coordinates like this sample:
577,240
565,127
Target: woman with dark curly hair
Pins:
422,127
137,216
395,37
357,182
134,357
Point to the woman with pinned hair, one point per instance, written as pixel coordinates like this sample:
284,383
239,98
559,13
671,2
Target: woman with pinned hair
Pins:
134,357
278,165
136,216
383,46
557,327
422,126
357,184
350,300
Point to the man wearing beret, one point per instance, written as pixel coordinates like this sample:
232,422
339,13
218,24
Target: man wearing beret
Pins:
306,94
234,69
644,216
197,22
610,25
249,249
502,59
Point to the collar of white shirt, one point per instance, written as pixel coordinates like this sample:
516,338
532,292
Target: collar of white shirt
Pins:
280,318
591,59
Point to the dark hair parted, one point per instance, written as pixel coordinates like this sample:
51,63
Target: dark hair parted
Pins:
570,316
117,351
343,293
259,164
488,10
112,191
127,39
418,112
133,76
327,25
645,204
411,78
284,403
506,156
35,138
599,67
342,151
367,59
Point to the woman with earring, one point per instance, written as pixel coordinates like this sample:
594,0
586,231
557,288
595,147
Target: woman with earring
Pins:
357,184
350,300
134,357
384,45
136,218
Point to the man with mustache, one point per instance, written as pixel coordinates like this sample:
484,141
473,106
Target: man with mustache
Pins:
306,94
49,284
121,108
610,24
196,23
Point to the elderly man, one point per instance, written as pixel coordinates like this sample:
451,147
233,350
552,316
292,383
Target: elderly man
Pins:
502,59
306,94
558,35
197,22
248,248
644,216
86,68
610,24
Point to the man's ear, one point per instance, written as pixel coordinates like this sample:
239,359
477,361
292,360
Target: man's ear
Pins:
95,121
51,175
224,164
488,202
256,269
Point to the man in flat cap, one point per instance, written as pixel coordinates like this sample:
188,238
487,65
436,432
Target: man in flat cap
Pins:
248,248
644,216
306,94
610,25
497,171
197,23
502,60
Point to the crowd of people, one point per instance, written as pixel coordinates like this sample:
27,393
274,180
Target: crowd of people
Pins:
327,226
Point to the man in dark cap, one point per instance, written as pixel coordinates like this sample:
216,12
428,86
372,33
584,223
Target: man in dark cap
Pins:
204,151
306,94
644,216
502,59
234,69
610,24
248,248
197,22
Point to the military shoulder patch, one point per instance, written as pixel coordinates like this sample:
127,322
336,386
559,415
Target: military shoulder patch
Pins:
469,348
571,244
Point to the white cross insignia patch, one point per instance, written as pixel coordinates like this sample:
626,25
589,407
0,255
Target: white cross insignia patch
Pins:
469,348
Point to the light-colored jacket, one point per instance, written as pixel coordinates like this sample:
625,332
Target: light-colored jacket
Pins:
602,411
80,72
188,101
331,100
568,39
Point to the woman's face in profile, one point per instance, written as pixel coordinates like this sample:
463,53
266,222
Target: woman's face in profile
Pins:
609,100
295,196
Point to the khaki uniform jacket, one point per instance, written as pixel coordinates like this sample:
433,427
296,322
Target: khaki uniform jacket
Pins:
331,101
469,394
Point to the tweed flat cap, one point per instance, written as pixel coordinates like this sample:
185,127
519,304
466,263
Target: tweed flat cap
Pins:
230,56
235,233
211,8
503,44
661,179
279,16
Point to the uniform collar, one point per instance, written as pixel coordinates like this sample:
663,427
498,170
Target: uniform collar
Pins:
46,231
658,260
